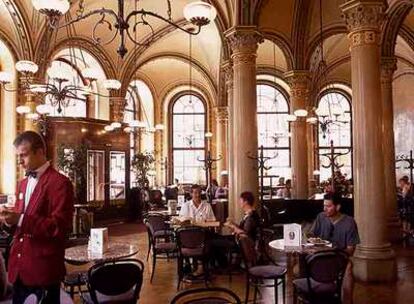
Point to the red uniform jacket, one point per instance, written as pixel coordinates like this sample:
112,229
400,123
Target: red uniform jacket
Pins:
38,248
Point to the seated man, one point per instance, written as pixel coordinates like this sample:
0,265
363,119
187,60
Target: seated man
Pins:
342,231
332,225
195,208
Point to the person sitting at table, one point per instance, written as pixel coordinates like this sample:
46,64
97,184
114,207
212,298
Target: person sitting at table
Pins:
196,209
285,191
250,223
211,190
334,226
342,231
223,190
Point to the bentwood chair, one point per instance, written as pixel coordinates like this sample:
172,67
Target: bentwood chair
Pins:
158,229
164,247
114,282
191,243
324,274
209,295
257,275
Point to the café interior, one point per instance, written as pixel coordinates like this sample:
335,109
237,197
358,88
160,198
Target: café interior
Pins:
143,103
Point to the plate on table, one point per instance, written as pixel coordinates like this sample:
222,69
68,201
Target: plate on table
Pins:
318,242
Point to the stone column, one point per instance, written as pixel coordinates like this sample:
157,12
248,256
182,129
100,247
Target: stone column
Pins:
388,67
117,106
299,86
90,103
222,118
374,260
243,41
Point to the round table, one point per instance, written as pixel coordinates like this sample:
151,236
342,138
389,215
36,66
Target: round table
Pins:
115,251
279,245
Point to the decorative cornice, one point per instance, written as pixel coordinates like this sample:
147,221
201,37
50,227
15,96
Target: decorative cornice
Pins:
227,69
362,15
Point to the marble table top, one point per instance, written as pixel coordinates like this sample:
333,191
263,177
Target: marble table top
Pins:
279,245
115,251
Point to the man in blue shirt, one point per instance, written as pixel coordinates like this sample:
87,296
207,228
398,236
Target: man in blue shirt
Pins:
338,228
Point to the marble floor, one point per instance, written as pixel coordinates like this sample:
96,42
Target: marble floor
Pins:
164,284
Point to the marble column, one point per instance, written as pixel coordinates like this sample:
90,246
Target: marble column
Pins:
222,118
117,106
388,67
374,259
299,86
243,41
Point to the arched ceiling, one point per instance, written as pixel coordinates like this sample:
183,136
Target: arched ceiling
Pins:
269,54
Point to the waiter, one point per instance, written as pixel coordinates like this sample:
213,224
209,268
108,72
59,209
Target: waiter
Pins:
42,218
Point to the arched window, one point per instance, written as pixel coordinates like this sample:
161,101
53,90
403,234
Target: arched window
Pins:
188,129
273,131
335,106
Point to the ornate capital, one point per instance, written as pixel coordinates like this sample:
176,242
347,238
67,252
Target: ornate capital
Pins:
222,114
299,82
227,69
360,15
117,108
244,41
388,67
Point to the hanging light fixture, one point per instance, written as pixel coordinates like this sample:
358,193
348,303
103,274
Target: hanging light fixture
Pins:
198,13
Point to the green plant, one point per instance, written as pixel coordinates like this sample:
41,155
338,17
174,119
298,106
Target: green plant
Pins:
72,160
141,164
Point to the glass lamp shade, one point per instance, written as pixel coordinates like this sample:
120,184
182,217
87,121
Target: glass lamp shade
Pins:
91,74
44,109
38,88
322,112
59,7
199,13
291,117
6,77
300,113
312,120
116,125
108,128
59,72
128,129
337,111
151,130
32,116
159,127
23,109
316,172
26,66
137,124
112,84
208,135
344,118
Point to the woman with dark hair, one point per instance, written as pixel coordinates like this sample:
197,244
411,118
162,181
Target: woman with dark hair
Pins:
250,223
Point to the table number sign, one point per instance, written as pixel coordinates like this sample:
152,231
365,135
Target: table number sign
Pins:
99,240
292,234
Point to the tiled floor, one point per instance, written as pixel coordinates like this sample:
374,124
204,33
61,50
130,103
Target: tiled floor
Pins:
164,285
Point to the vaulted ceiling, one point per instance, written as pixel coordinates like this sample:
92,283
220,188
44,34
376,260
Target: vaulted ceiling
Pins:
291,29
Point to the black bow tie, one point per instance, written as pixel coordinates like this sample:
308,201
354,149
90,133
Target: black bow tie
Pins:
31,173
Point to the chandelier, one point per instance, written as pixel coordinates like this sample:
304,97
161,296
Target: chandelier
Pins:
198,13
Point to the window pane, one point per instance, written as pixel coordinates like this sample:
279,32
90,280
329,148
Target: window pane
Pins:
273,129
188,135
344,160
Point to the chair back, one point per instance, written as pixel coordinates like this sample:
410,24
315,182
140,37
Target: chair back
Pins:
116,278
327,266
31,299
156,222
191,237
248,250
210,295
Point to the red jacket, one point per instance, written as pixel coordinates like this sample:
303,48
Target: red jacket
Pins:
38,248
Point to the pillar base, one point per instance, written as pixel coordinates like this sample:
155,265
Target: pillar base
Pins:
374,264
394,229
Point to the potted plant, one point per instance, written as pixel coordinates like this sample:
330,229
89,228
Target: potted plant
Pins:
141,164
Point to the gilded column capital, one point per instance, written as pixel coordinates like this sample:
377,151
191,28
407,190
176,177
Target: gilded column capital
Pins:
388,67
243,41
299,82
222,114
363,19
117,104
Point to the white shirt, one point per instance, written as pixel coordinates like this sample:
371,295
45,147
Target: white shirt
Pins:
203,212
31,185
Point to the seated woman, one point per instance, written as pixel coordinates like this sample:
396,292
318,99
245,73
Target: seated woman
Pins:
249,226
250,223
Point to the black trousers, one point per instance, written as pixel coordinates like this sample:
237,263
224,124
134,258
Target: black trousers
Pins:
47,295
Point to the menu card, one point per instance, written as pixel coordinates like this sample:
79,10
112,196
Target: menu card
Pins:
292,234
99,241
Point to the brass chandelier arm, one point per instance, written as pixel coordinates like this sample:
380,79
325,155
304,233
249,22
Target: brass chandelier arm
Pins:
78,89
99,11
